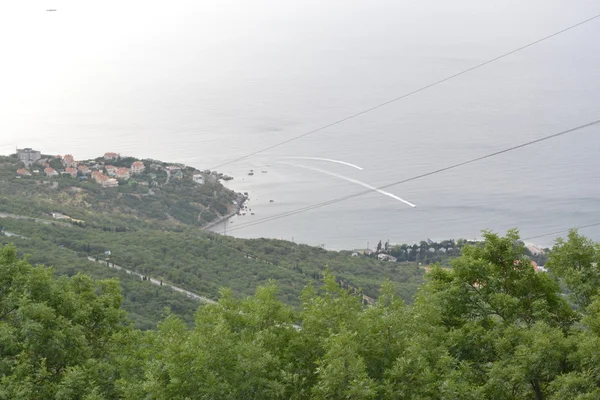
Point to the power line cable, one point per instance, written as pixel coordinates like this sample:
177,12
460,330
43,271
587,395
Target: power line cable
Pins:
423,88
561,231
414,178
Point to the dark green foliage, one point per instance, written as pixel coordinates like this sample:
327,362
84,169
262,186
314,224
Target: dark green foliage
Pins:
490,328
204,262
56,334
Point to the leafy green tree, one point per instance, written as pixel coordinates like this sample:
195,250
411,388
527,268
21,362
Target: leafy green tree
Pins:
341,372
576,261
491,303
56,335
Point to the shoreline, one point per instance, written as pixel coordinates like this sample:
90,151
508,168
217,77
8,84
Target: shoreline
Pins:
226,217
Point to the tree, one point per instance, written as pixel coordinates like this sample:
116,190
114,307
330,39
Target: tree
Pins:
57,335
492,303
341,372
576,261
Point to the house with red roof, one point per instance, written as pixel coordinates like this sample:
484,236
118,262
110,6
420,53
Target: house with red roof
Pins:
23,172
99,177
84,169
137,167
71,171
69,161
122,173
50,171
111,156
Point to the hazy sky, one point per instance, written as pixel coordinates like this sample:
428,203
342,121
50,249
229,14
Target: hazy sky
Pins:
55,62
203,82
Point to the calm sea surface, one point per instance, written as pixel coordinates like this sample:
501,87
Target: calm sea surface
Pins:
206,82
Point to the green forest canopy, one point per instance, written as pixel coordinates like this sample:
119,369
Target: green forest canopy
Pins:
489,328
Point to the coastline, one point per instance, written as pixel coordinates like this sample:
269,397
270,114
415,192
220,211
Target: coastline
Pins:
238,207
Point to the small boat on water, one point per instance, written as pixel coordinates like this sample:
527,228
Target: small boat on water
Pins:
250,173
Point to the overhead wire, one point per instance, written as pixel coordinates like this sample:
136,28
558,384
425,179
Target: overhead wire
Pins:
416,177
423,88
562,231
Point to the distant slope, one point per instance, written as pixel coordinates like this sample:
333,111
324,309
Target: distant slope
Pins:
160,235
165,194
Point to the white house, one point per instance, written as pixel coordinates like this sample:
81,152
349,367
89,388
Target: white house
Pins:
198,178
110,183
386,257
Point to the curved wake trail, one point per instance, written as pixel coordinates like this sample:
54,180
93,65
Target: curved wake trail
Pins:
327,160
366,185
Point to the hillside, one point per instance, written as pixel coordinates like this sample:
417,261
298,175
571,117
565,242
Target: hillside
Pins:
62,221
169,195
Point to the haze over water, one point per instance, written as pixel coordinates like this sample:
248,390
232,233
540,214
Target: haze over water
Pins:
203,83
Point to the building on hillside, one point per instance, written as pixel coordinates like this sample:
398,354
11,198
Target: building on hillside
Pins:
178,174
83,169
137,167
50,171
111,170
386,257
198,178
538,268
110,183
71,171
111,156
28,156
23,172
69,161
99,177
122,173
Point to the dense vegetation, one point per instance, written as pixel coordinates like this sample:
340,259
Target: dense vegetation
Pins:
443,252
205,262
489,328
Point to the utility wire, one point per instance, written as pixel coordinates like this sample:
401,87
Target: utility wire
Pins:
407,94
562,231
414,178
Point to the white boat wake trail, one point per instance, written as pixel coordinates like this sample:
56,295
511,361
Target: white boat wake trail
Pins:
327,160
366,185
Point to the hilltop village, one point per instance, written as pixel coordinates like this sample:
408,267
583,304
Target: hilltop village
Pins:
147,189
108,171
